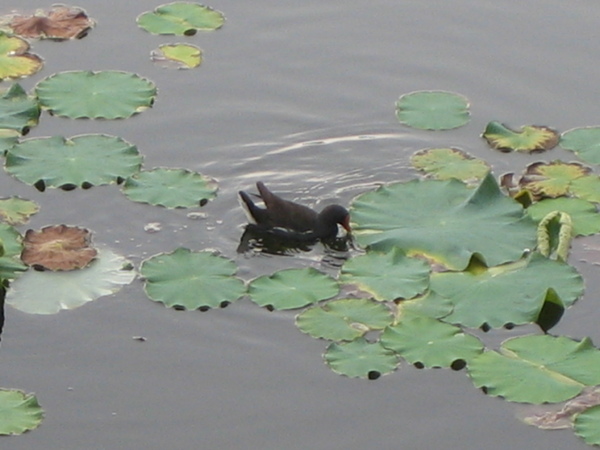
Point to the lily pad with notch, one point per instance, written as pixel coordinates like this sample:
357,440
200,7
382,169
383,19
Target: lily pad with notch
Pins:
552,179
530,138
15,59
433,110
18,111
177,56
19,412
584,142
181,18
446,163
361,359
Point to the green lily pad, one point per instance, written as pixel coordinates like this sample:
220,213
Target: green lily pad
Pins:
108,94
181,18
586,188
171,188
584,142
292,288
430,304
512,293
537,369
8,138
361,359
446,163
530,138
11,265
444,220
177,56
387,276
190,280
85,161
433,110
552,179
15,59
19,412
584,215
17,211
50,292
587,425
344,320
428,342
18,111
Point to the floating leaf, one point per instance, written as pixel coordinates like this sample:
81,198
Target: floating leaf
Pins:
16,211
11,265
171,188
552,179
537,369
177,56
15,59
446,163
97,95
428,342
587,425
292,288
85,161
191,280
387,276
18,111
50,292
512,293
181,18
530,138
444,220
58,247
586,187
19,412
433,110
8,138
344,320
431,304
59,22
585,142
584,215
361,359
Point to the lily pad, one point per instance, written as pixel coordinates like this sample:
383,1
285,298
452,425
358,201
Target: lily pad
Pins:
58,247
181,18
59,22
184,279
537,369
11,265
292,288
16,211
584,142
361,359
584,215
530,138
446,163
344,320
50,292
8,138
430,304
428,342
177,56
15,59
171,188
552,179
512,293
85,161
586,188
387,276
433,110
108,94
18,111
445,221
19,412
587,425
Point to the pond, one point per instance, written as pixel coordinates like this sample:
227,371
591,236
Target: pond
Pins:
300,95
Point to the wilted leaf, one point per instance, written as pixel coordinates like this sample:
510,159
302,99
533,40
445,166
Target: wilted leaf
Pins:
16,211
177,56
433,110
19,412
530,138
15,59
59,22
181,18
552,179
446,163
58,247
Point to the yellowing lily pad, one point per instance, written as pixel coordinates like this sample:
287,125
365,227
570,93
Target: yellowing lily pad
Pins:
530,138
446,163
59,22
15,59
16,211
58,247
552,179
177,56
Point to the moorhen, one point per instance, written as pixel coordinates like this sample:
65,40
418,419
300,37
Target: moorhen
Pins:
299,220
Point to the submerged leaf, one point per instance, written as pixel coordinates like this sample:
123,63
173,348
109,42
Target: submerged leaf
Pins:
181,18
19,412
59,22
446,163
58,247
433,110
15,59
361,359
530,138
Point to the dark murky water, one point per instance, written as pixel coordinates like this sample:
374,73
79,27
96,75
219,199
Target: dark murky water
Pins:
300,95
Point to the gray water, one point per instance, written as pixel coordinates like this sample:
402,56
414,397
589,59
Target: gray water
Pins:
300,95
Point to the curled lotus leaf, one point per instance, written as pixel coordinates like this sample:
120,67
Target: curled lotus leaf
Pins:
58,247
361,359
18,111
177,56
584,142
553,179
433,110
15,59
446,163
19,412
584,215
59,22
530,138
181,18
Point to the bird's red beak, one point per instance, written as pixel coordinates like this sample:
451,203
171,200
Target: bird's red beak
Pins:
346,224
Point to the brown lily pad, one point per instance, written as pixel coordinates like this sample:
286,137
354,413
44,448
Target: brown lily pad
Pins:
59,22
58,247
553,179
